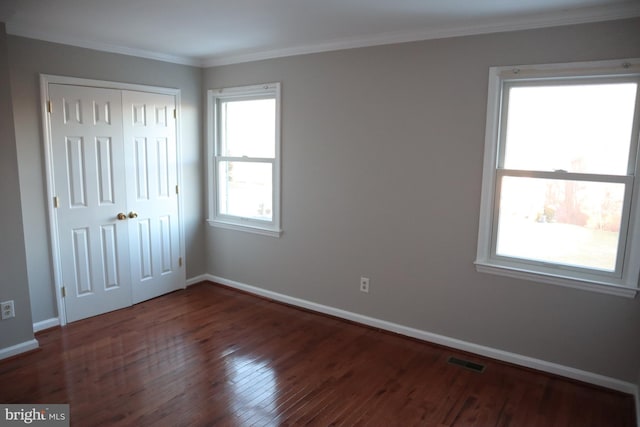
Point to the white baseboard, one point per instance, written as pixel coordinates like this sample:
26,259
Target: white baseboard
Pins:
505,356
198,279
46,324
18,348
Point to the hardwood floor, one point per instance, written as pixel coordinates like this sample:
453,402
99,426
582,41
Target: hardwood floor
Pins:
212,356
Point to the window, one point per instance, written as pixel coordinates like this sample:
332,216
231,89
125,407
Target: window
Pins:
244,158
560,192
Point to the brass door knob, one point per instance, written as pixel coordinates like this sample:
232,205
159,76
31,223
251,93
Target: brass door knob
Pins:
121,216
133,214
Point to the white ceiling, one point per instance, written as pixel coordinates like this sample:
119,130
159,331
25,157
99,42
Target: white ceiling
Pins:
215,32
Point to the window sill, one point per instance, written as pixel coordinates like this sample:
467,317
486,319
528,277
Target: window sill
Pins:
246,228
587,285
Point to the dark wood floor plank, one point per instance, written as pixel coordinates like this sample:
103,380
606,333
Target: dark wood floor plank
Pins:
213,356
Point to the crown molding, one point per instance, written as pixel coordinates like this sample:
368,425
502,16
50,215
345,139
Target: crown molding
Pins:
23,31
580,16
571,17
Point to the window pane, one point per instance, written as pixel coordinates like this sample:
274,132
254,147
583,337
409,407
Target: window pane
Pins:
245,189
574,223
248,128
577,128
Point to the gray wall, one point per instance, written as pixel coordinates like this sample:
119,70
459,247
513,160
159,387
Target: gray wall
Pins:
382,163
13,276
29,58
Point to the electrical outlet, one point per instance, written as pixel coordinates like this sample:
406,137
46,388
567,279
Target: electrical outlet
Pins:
7,309
364,284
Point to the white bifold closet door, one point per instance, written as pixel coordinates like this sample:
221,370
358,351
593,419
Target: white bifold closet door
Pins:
115,183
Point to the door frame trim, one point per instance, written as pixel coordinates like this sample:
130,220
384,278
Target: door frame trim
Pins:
45,80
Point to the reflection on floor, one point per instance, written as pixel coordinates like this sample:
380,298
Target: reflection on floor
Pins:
212,356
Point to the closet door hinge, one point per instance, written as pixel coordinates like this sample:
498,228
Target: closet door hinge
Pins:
180,261
63,290
177,189
56,202
175,114
49,107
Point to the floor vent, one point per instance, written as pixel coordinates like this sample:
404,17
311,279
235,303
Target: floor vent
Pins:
476,367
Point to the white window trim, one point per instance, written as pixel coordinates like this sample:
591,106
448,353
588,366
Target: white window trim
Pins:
267,228
486,261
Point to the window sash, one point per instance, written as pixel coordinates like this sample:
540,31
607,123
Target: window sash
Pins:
218,118
569,80
626,180
219,192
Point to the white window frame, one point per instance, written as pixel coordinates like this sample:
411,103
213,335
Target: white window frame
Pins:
622,282
232,222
